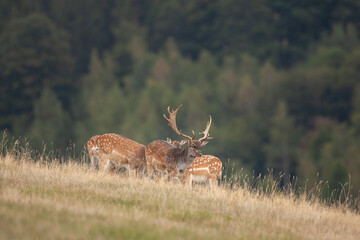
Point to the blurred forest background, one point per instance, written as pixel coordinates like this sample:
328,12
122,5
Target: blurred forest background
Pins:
280,78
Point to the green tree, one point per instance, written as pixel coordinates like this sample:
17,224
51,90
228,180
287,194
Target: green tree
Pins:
51,124
33,54
100,107
332,159
89,23
323,84
281,151
244,26
190,24
129,47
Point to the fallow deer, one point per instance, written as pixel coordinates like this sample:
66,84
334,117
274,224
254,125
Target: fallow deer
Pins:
114,150
206,168
164,157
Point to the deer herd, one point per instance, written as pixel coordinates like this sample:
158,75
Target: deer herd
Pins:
110,151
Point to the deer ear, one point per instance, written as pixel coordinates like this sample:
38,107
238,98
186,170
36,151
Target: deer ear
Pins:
204,143
183,142
168,140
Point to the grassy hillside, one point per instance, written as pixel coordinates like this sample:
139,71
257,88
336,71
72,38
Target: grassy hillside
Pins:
69,201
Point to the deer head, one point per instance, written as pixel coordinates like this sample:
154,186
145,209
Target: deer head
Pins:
168,156
194,146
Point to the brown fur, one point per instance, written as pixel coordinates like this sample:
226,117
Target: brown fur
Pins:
205,167
116,150
164,157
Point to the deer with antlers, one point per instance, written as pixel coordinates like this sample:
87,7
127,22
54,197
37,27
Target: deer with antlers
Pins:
206,168
164,157
113,150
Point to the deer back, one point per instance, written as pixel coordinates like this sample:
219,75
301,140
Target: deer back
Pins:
161,151
111,142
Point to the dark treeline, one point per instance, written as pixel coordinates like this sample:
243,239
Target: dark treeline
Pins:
280,78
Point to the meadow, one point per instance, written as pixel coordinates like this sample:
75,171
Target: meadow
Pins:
42,198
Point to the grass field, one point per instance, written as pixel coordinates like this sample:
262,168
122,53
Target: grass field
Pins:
70,201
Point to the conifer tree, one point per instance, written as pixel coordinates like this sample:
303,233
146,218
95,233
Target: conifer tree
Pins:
51,124
281,150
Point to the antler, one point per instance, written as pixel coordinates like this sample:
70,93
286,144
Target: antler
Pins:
172,122
206,132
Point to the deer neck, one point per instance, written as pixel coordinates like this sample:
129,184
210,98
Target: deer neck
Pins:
184,160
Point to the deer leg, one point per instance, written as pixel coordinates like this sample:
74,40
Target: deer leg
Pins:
133,168
171,175
149,169
91,160
109,166
132,172
102,163
212,182
95,162
142,170
182,178
189,180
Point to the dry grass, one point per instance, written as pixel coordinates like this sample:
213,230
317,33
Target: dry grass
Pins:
47,200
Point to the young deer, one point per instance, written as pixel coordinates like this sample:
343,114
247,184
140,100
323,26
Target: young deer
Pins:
113,150
206,168
164,157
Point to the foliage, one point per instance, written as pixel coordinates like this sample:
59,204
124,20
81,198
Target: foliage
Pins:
282,147
51,122
279,78
34,54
